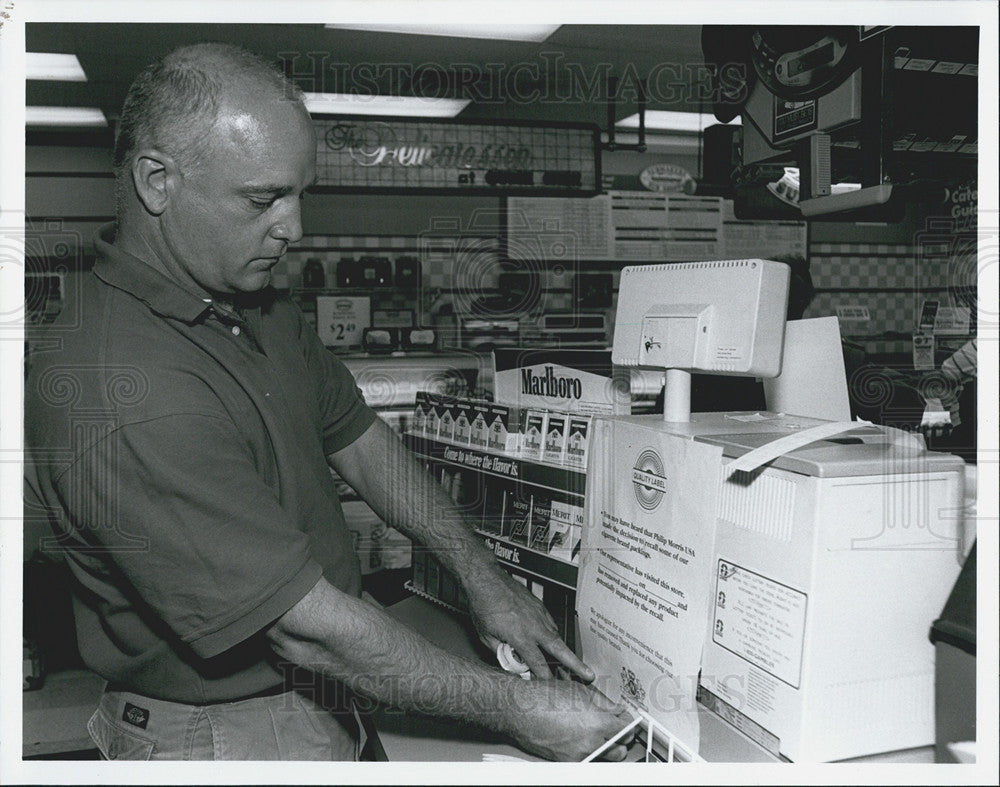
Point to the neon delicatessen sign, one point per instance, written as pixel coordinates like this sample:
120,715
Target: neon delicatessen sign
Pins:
378,144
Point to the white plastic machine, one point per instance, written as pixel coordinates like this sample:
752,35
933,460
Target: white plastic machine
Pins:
831,561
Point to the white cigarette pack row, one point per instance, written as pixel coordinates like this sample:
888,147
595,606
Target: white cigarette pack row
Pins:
540,435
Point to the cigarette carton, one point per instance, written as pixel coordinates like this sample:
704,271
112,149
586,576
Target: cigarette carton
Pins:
578,440
463,423
560,524
446,426
480,425
432,424
554,449
517,516
419,423
541,515
505,428
493,501
533,437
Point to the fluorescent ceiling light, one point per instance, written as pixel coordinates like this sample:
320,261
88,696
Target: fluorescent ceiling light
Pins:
64,116
400,106
660,120
53,66
533,33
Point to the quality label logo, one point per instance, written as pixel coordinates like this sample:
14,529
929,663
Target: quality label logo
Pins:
648,480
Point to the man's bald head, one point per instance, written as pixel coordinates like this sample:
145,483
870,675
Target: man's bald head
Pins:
175,103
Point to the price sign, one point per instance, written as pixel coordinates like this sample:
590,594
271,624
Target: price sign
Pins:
341,321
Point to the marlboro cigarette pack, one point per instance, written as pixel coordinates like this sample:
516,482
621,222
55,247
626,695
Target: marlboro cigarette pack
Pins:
533,436
463,422
446,426
505,428
432,423
554,447
578,440
479,415
419,422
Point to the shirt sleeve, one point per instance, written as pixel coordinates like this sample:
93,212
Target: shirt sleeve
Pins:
178,506
961,365
344,414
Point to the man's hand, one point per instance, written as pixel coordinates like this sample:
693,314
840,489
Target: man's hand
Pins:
345,638
936,420
504,611
565,720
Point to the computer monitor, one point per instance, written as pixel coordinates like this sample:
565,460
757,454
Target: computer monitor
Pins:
723,317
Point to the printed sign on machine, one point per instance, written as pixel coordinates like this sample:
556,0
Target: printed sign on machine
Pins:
643,595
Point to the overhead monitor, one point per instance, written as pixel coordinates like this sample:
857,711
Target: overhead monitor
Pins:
723,317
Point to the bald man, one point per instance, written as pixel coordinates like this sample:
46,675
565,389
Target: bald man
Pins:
180,441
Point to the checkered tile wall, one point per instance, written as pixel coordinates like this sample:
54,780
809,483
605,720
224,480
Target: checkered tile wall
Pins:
891,281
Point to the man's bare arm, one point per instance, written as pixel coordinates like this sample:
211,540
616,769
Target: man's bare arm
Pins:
386,474
345,638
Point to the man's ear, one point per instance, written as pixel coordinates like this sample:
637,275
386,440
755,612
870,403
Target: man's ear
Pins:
153,173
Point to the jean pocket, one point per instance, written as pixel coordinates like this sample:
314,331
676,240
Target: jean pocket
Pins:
116,743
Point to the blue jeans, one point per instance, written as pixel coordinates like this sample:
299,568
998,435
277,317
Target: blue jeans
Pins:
287,726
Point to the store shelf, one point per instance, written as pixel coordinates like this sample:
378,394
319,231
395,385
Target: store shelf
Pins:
556,478
526,560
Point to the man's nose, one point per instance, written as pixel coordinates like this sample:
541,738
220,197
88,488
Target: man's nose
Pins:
288,227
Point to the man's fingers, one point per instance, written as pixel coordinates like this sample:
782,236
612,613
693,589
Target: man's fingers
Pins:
535,659
615,754
616,707
560,650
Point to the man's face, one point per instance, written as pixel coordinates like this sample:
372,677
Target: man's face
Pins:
230,218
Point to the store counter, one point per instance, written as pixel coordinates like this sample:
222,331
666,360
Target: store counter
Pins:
420,739
55,717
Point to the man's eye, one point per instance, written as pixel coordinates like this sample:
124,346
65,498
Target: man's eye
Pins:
261,204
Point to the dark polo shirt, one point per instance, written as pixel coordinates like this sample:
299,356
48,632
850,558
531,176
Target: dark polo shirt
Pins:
178,449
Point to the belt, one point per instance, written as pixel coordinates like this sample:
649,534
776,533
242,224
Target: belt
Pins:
270,692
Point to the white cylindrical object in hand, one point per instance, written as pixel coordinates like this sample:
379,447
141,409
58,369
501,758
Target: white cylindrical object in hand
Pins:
510,661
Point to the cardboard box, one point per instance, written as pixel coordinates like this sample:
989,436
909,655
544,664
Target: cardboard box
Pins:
827,566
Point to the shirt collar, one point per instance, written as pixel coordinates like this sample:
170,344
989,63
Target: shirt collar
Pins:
143,281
